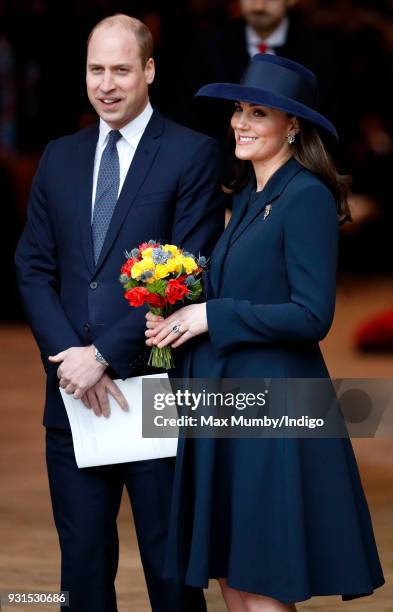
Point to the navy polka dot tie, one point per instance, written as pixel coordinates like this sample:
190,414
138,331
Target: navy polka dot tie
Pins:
107,191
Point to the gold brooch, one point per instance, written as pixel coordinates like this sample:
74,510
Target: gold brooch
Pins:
267,211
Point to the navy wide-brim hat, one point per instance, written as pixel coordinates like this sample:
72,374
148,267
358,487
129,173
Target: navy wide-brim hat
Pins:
277,82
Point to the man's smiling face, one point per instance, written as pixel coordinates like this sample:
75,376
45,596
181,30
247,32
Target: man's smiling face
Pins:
117,83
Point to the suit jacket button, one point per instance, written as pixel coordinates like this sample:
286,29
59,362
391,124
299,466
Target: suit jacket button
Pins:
86,327
93,285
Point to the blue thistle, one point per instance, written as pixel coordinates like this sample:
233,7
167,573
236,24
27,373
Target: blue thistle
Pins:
146,275
190,280
160,256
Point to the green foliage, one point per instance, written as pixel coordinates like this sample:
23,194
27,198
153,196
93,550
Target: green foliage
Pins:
181,272
131,284
158,286
195,291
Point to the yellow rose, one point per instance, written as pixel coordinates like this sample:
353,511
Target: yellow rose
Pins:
147,253
179,263
172,248
189,264
161,271
148,263
141,266
173,264
136,270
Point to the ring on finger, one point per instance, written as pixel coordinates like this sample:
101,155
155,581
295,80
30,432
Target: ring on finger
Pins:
176,329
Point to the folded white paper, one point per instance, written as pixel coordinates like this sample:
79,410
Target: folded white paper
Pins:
117,439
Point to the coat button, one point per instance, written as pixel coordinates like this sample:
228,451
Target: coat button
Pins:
87,327
93,285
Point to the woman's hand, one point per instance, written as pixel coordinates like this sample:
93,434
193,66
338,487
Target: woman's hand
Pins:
179,327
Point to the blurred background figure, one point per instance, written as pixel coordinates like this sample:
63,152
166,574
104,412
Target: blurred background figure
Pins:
11,227
7,88
222,53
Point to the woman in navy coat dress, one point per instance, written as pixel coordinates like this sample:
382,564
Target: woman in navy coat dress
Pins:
276,520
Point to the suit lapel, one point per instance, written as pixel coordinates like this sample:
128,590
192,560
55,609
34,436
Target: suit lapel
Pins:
238,50
85,169
294,41
144,156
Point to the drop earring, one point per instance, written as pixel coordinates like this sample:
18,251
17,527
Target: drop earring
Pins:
291,138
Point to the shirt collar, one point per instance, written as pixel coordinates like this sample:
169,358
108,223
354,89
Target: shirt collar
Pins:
130,132
275,39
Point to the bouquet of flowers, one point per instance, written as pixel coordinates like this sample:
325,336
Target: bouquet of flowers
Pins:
161,275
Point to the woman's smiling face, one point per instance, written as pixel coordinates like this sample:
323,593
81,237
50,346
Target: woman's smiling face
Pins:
261,132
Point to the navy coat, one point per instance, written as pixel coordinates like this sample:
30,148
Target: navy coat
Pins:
271,286
286,518
171,193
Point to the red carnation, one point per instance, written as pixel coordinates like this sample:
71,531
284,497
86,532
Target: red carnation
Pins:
137,296
126,269
155,300
146,245
175,291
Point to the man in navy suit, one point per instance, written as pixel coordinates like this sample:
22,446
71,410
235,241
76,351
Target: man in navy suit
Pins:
136,176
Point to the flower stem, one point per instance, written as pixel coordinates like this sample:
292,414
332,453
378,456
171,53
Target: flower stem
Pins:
161,358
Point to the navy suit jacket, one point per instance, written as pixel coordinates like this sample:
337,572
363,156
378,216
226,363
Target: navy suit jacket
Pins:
272,283
170,194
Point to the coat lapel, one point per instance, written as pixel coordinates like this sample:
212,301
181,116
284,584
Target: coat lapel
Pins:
272,190
85,169
242,218
221,248
144,156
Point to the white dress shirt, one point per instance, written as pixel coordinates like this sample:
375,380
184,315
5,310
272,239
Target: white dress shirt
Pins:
126,145
276,38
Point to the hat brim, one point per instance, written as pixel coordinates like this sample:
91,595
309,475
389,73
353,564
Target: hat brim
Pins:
253,95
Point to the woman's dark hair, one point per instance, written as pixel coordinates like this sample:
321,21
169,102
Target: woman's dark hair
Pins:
308,150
